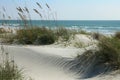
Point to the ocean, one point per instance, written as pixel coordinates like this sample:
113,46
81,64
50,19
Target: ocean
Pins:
101,26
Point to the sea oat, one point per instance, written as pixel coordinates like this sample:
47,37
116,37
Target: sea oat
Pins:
20,9
39,5
21,16
37,12
26,9
48,6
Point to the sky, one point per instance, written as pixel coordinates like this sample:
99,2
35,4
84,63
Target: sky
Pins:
66,9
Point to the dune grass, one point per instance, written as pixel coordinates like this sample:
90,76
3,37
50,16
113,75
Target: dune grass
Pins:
117,35
35,36
96,35
2,30
42,35
39,35
8,69
63,33
107,52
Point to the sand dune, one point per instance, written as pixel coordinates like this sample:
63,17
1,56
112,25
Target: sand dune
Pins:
43,65
49,63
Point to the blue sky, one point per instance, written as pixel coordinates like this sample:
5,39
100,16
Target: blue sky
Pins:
68,9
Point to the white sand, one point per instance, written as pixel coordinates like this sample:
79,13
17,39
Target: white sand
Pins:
43,62
63,52
38,62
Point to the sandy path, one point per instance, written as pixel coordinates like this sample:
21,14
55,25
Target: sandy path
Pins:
41,64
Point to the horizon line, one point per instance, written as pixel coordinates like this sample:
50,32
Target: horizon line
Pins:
67,20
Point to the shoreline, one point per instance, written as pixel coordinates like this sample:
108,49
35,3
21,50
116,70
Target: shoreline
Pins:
87,25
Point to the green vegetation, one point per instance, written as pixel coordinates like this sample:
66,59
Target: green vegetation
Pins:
82,32
8,69
96,36
2,30
79,45
39,35
35,36
63,33
107,52
117,35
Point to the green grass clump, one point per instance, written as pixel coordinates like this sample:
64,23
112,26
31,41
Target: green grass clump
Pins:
35,36
9,70
2,31
45,39
63,33
96,36
79,45
117,35
107,53
83,32
110,51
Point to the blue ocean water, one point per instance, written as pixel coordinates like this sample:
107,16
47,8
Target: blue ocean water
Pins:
102,26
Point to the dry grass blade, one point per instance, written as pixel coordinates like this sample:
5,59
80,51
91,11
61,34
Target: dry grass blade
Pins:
26,9
21,16
39,5
20,9
48,6
37,12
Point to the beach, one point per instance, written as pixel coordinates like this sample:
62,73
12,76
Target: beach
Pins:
67,57
39,64
55,61
59,40
50,63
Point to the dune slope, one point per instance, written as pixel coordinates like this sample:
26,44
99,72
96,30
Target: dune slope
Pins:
42,66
